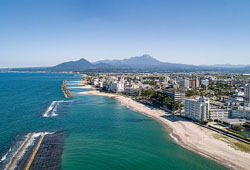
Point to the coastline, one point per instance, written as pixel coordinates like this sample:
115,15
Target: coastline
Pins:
187,134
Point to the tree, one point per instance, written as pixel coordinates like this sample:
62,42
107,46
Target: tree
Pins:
176,106
191,93
203,93
167,102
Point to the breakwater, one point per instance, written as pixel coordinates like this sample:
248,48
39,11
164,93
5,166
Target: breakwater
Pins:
66,90
52,109
49,152
38,151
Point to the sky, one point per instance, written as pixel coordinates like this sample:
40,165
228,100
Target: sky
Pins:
48,32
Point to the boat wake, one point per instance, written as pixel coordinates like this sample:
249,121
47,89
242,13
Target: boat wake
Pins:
51,110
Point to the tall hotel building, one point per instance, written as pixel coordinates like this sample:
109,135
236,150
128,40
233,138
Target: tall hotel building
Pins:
197,109
247,92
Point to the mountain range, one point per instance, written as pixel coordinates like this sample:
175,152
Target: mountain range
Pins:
144,63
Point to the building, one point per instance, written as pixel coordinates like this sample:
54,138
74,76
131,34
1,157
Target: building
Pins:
218,114
233,122
184,84
132,91
205,82
176,94
95,82
195,83
117,87
197,109
100,84
240,114
166,80
247,92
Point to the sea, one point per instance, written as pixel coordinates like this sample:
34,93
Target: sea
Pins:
100,133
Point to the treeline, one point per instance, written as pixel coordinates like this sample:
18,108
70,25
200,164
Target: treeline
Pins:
216,89
160,99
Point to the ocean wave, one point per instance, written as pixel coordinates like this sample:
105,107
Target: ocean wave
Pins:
173,137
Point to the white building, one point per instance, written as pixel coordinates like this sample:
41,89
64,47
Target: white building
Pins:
239,93
117,87
96,82
218,114
197,109
247,92
205,82
184,83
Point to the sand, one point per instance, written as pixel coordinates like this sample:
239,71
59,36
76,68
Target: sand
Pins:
81,87
189,135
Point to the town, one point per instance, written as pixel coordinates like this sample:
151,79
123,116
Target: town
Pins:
218,101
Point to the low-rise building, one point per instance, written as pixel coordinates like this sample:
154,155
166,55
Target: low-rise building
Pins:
132,91
233,122
218,114
240,114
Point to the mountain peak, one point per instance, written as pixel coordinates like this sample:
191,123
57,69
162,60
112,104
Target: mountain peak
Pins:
144,59
73,65
147,56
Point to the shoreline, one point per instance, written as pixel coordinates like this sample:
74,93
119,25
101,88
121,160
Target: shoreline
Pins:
187,134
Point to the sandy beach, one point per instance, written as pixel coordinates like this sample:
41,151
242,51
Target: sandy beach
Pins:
190,135
81,87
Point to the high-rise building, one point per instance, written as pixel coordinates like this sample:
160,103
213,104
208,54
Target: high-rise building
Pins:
195,83
197,109
247,92
184,83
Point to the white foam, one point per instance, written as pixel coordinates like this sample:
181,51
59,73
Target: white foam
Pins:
53,107
64,94
30,143
50,108
54,110
4,157
18,149
172,136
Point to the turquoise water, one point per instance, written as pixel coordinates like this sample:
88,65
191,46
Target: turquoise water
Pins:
100,132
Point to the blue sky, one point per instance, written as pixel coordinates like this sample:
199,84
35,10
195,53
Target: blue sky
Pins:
47,32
